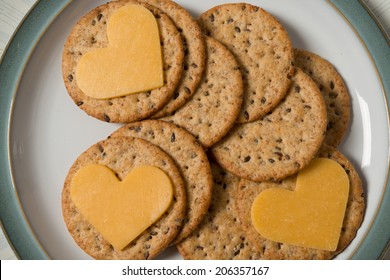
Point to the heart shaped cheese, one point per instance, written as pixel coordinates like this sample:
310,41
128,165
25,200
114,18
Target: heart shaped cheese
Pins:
311,215
121,210
131,63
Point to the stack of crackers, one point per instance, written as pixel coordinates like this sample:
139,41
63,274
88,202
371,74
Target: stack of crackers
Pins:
240,111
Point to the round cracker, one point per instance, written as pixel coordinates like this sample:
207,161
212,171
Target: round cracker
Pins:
122,154
216,103
281,143
262,48
247,191
90,33
333,89
188,156
195,53
220,236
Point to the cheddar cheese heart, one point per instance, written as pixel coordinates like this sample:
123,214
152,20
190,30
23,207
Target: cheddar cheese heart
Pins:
131,63
311,215
121,210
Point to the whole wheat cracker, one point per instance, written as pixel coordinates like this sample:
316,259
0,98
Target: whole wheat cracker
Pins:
121,155
282,142
214,107
262,48
248,190
89,33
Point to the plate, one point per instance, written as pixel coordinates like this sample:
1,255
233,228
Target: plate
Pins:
43,132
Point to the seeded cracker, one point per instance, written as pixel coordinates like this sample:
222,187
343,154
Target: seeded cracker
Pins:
281,143
188,156
262,48
90,33
247,191
195,53
220,235
333,90
122,154
215,105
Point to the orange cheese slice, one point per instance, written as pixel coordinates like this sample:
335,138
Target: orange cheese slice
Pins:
311,215
131,63
121,210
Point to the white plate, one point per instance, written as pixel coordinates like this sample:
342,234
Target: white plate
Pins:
48,131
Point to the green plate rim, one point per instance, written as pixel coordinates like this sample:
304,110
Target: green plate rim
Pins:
372,36
13,62
17,54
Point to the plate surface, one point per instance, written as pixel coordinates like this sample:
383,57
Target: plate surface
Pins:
46,132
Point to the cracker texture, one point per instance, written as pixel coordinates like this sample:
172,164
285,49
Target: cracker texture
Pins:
195,53
215,105
333,89
281,143
262,48
220,236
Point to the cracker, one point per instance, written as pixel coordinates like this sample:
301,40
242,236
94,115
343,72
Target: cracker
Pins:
333,90
195,53
122,154
220,235
216,103
89,33
248,190
281,143
189,157
263,50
